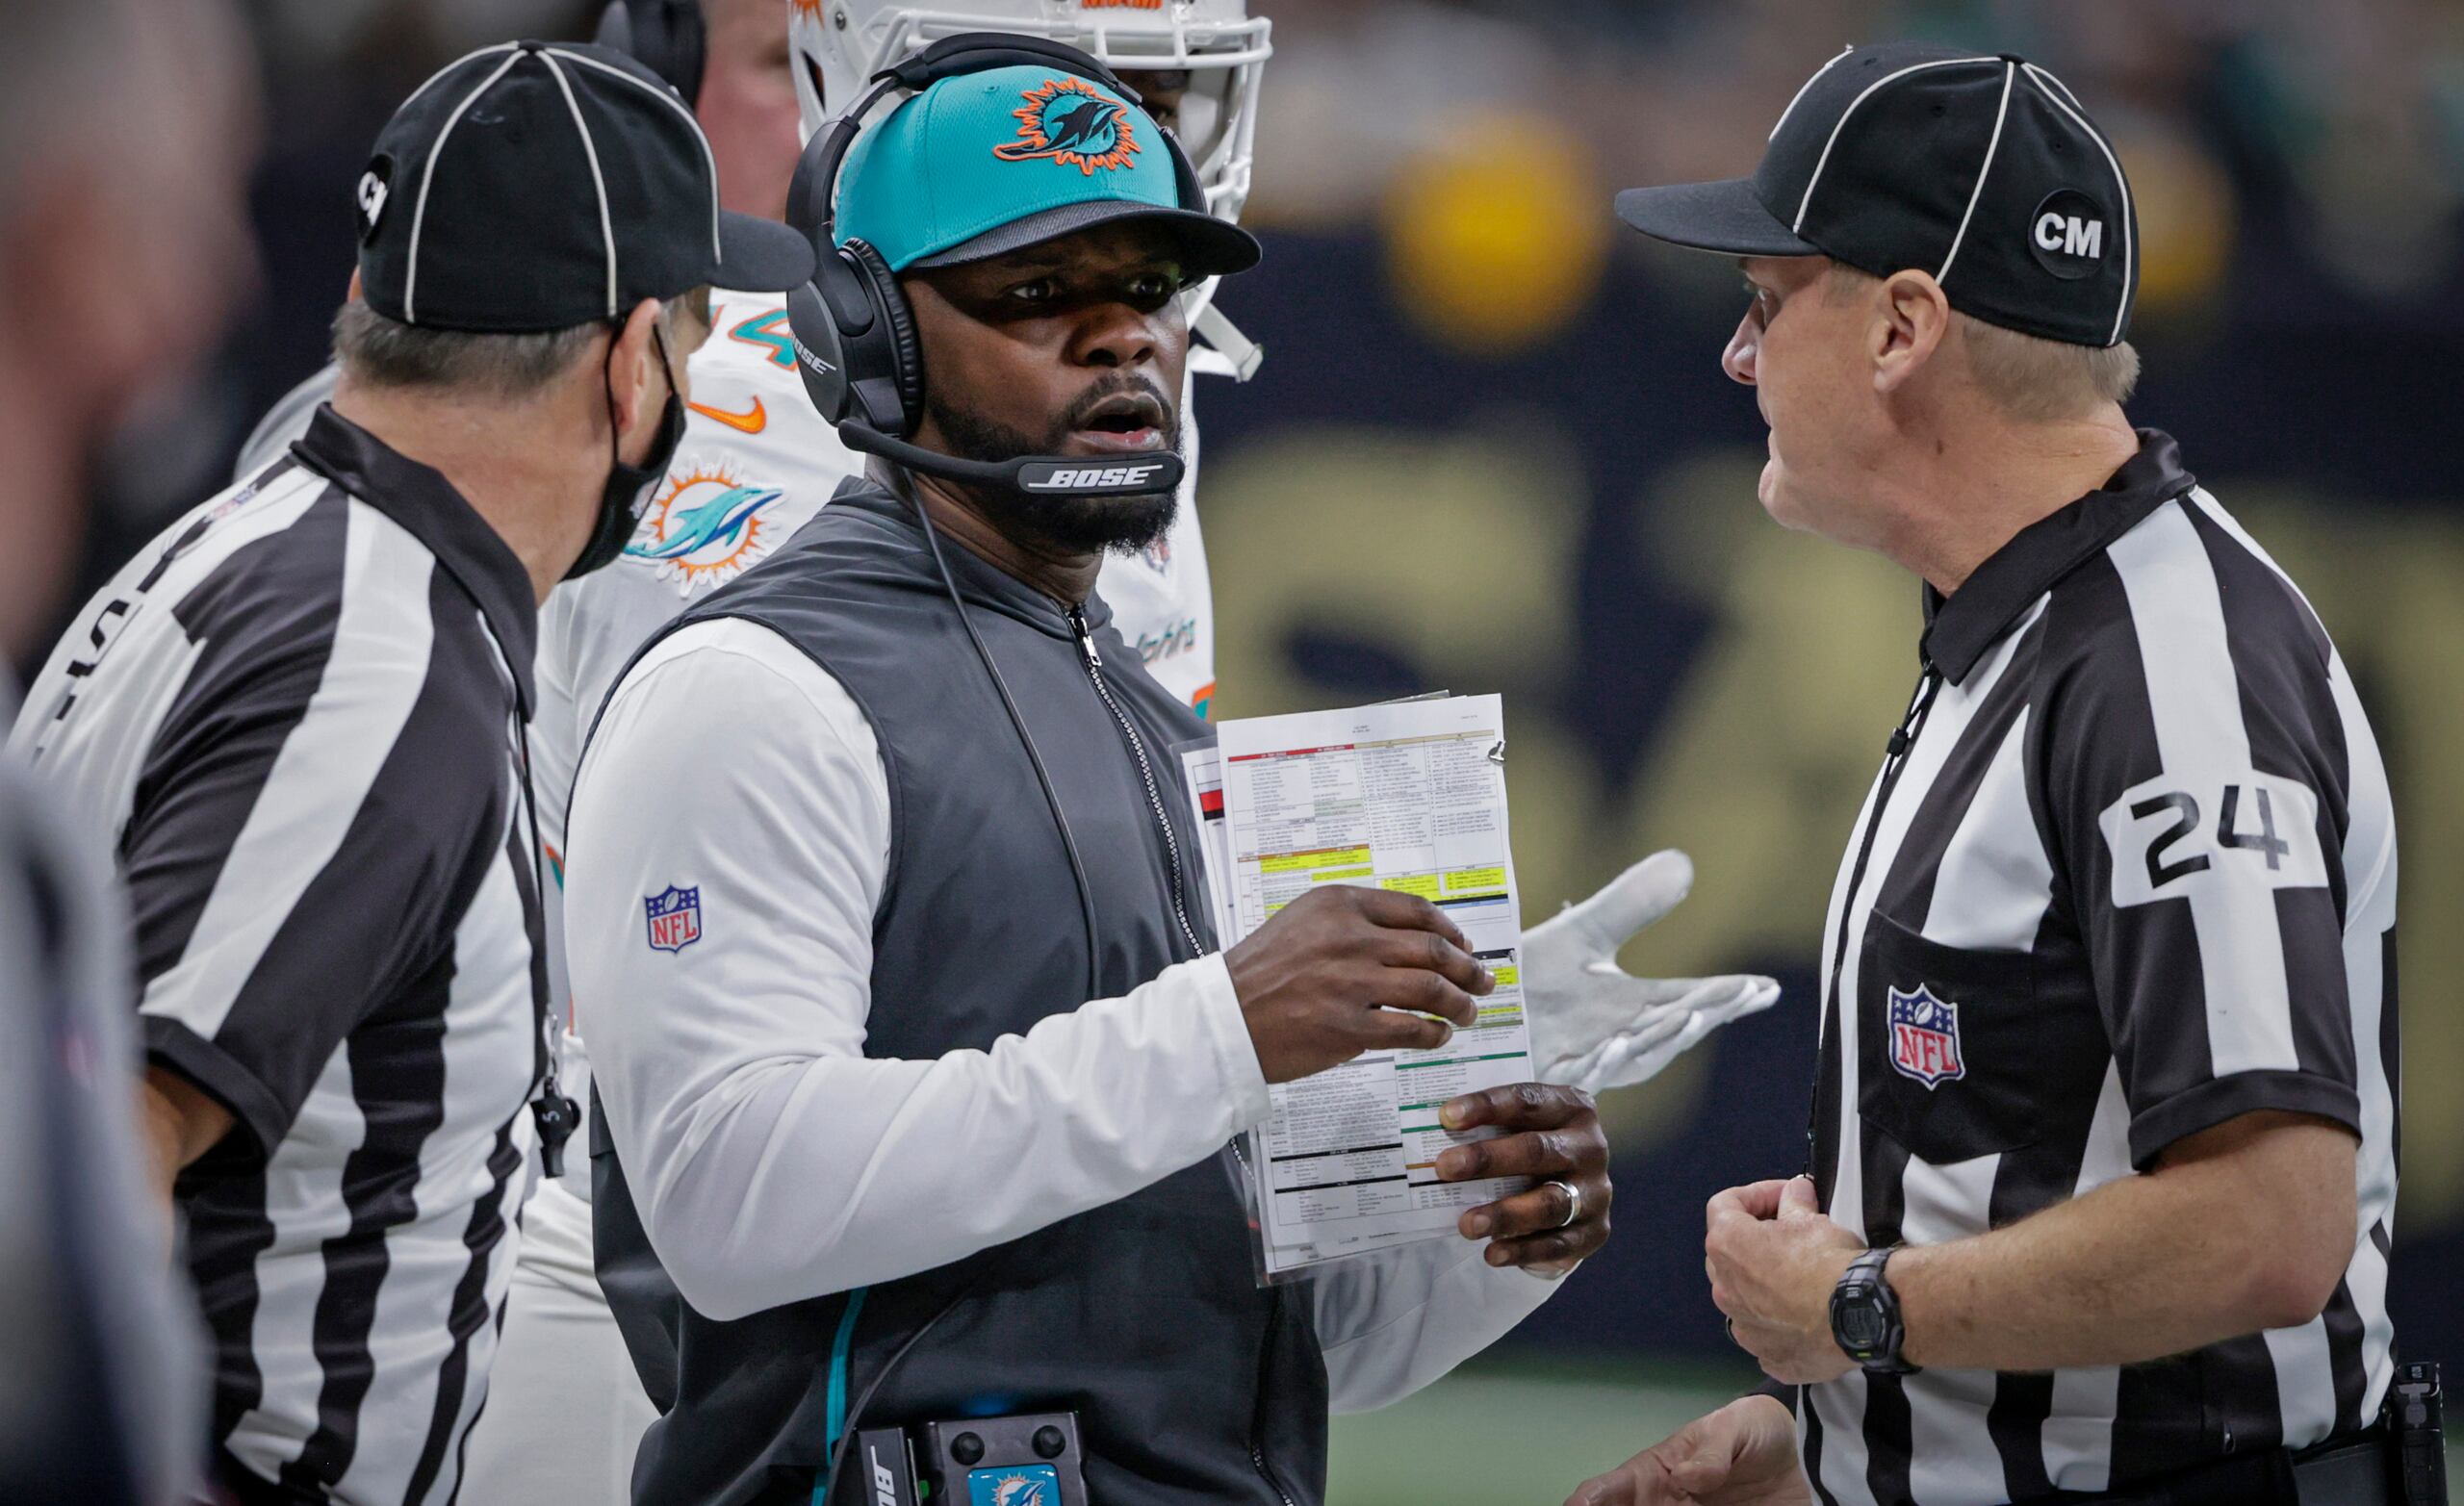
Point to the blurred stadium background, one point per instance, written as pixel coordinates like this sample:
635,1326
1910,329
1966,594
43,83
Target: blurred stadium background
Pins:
1492,450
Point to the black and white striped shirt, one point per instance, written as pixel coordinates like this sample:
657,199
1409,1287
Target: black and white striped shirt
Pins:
297,719
2128,872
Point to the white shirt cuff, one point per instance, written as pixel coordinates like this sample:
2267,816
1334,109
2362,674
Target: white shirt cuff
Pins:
1227,1030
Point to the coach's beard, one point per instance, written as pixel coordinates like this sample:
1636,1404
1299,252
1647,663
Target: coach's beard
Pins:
1078,524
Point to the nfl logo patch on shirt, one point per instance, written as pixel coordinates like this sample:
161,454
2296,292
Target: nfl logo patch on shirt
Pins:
1925,1037
675,918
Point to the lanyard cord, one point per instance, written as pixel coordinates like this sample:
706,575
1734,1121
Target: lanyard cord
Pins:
1903,737
557,1116
1052,800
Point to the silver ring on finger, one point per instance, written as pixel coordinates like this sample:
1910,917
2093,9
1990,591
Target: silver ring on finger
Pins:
1574,1201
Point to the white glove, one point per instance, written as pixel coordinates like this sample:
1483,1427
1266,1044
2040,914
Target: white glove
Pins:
1594,1027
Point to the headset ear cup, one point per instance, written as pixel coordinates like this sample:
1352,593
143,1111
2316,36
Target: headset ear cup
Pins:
666,36
686,34
898,323
821,357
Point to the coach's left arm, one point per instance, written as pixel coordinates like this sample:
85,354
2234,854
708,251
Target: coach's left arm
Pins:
1391,1323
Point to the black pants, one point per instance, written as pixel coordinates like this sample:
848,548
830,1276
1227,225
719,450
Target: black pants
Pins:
2351,1470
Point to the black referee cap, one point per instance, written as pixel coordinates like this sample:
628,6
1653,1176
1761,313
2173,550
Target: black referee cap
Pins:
1982,170
536,185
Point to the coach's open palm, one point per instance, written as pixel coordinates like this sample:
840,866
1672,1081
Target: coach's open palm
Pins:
1745,1454
1596,1028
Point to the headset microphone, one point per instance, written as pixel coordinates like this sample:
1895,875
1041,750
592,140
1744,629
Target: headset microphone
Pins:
1036,476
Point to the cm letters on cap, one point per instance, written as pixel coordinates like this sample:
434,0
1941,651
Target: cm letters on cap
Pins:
2172,837
2067,234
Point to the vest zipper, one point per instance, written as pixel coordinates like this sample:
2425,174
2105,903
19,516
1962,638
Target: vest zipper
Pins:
1145,772
1903,737
1181,915
1257,1424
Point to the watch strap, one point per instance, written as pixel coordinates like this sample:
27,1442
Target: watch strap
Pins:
1866,1320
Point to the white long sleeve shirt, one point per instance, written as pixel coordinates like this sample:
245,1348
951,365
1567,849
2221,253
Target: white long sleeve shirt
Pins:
771,1161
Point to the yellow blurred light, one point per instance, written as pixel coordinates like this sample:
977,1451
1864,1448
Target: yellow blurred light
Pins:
2186,222
1497,235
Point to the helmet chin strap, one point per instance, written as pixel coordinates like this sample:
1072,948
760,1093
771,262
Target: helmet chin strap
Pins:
1242,356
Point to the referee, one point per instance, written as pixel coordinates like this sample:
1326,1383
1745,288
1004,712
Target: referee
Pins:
296,720
2103,1139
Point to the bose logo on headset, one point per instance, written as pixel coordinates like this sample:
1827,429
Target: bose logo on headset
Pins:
1064,479
884,1484
803,353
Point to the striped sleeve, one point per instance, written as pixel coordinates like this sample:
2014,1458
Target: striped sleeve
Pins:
2194,777
300,823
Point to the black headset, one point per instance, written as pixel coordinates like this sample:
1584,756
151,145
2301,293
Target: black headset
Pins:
856,343
667,36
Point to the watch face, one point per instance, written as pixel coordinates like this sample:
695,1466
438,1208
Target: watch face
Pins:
1863,1328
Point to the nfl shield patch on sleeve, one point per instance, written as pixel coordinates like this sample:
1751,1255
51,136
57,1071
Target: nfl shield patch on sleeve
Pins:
675,918
1925,1037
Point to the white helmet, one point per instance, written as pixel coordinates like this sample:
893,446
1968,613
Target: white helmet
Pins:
840,44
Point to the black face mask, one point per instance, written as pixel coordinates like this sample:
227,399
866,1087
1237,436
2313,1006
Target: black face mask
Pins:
629,487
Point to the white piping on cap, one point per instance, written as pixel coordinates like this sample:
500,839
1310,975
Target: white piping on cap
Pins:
2129,252
2010,76
1802,88
438,76
666,97
428,179
1818,162
598,179
2046,76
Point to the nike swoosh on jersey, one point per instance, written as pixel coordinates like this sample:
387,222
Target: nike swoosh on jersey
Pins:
752,422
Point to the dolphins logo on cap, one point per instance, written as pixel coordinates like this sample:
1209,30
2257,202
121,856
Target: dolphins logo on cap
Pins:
1069,121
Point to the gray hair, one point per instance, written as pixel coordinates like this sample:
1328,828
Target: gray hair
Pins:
378,351
2041,381
2027,376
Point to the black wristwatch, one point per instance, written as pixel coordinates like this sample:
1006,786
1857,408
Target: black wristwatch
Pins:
1865,1316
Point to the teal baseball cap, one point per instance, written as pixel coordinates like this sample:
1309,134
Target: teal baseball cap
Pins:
985,164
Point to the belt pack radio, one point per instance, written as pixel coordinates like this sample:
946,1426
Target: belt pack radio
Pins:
1021,1461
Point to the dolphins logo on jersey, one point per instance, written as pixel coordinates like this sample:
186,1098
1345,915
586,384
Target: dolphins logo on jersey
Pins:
1067,122
706,529
1025,1485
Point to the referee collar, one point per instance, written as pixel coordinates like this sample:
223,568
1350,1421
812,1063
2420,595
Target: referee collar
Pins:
1960,628
428,506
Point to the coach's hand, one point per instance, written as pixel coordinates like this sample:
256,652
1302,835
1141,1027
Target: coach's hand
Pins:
1345,969
1745,1454
1553,1135
1596,1028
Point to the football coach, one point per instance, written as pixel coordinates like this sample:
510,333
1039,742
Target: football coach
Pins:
2103,1141
919,1100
